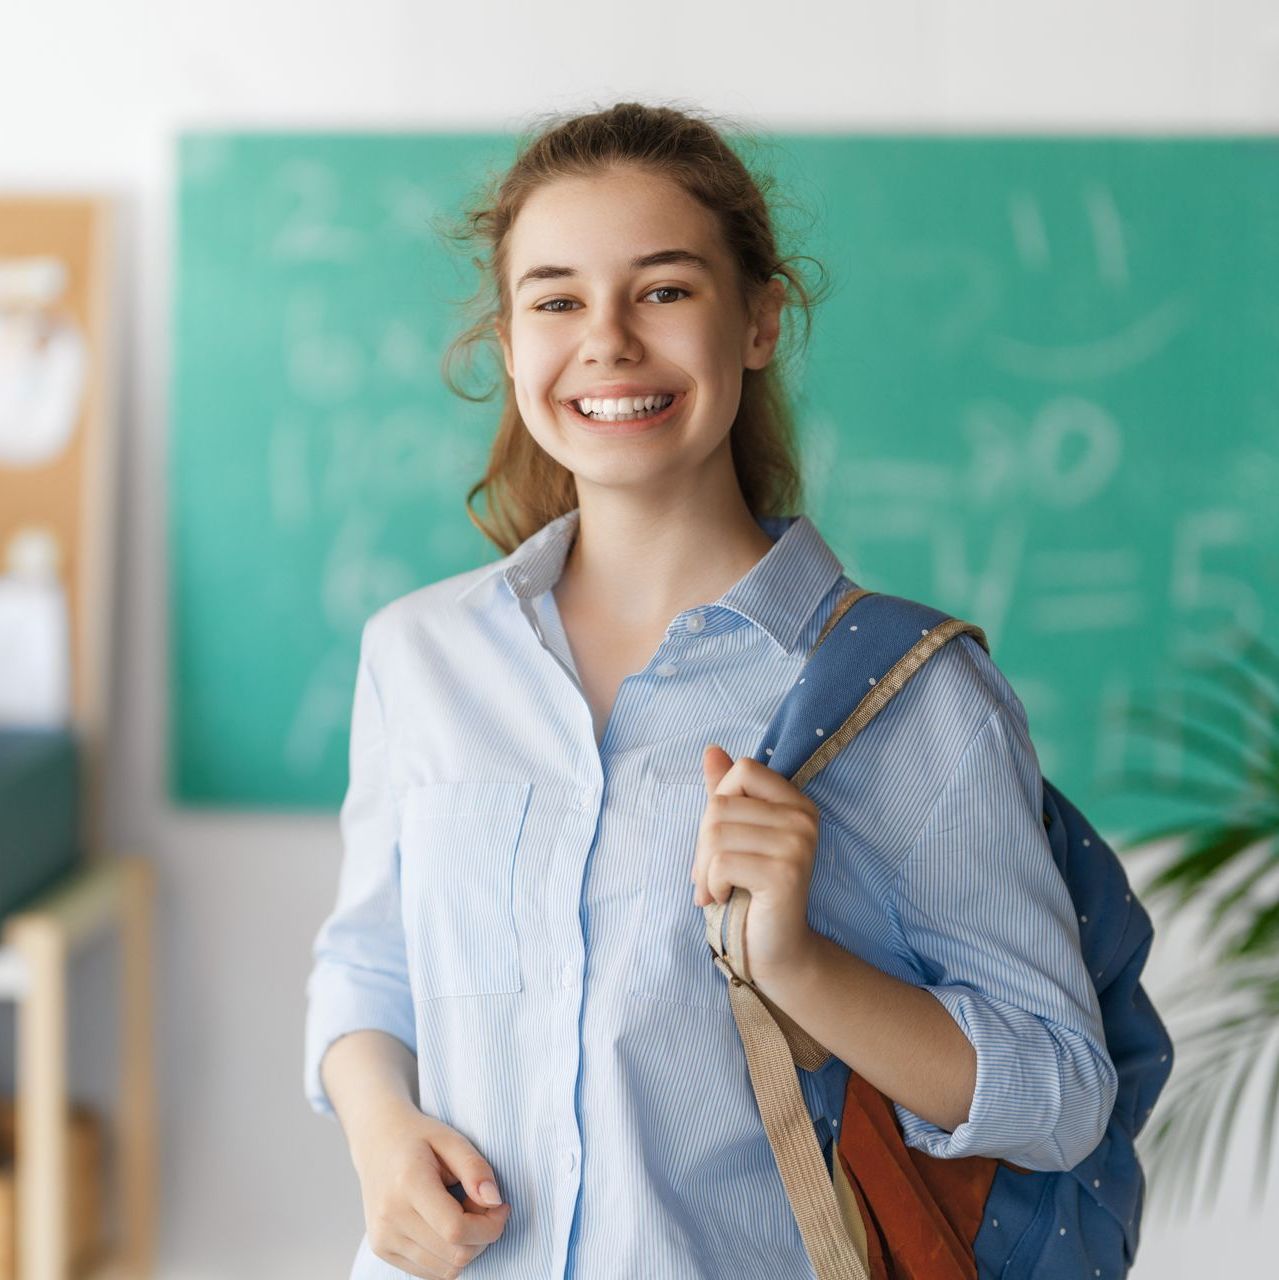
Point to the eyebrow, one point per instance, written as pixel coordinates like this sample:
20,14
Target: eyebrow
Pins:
662,258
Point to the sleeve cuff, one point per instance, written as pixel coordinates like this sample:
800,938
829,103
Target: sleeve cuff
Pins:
340,1003
1017,1099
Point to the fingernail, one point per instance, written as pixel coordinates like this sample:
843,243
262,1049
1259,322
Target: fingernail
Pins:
488,1193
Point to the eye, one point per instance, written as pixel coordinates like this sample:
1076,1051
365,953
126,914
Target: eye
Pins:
668,288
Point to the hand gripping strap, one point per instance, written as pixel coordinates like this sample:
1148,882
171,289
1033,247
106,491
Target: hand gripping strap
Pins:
826,1212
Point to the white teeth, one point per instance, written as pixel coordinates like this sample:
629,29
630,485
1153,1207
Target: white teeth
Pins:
622,409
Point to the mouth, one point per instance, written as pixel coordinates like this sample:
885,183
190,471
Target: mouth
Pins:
628,423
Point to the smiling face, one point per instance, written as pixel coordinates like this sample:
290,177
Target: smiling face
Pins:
621,287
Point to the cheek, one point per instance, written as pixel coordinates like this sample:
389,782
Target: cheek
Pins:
535,374
710,356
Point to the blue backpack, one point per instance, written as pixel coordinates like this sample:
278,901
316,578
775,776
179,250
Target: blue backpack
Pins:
1083,1222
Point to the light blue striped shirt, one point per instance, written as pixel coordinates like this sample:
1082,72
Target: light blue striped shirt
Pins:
515,906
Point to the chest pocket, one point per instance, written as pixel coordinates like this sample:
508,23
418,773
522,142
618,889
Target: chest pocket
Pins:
458,842
670,959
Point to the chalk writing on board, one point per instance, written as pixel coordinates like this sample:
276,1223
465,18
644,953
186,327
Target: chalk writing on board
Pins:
1137,342
1030,233
1213,592
1065,456
324,363
310,229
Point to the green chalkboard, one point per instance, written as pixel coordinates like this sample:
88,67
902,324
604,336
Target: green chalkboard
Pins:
1043,395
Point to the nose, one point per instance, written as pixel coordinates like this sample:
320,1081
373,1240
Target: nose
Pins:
609,337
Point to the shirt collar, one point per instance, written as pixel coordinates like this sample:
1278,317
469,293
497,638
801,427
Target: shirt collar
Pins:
779,593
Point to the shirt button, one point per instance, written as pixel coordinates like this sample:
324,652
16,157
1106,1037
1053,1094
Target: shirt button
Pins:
666,669
583,801
696,622
570,1161
567,974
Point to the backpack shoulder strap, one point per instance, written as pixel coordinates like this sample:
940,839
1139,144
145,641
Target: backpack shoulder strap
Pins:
867,650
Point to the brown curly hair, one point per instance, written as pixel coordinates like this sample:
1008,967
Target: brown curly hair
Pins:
524,486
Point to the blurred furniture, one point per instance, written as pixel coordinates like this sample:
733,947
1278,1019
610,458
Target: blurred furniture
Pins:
40,800
85,1139
37,946
58,256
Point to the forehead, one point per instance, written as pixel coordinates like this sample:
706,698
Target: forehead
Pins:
601,222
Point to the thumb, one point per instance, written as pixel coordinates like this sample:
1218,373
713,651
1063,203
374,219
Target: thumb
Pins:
716,762
471,1169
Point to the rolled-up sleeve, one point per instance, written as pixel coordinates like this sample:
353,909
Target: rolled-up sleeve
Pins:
986,916
359,979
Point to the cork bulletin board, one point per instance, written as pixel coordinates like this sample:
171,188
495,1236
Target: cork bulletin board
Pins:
57,444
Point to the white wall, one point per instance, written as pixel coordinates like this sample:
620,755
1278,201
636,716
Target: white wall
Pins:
91,95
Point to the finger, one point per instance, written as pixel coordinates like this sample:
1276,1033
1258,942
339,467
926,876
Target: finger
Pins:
778,831
416,1261
715,763
495,1211
450,1223
721,809
442,1254
764,813
789,844
750,871
750,778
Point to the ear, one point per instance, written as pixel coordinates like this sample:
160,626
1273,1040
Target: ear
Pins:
504,338
765,325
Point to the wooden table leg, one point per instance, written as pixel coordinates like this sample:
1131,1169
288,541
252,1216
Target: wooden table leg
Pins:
115,892
136,1123
42,1154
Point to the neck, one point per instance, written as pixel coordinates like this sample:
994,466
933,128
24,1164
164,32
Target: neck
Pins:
640,562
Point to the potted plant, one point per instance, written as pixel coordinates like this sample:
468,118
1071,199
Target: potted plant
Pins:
1225,864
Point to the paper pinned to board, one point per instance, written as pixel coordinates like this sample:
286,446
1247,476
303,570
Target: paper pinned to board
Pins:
43,357
35,654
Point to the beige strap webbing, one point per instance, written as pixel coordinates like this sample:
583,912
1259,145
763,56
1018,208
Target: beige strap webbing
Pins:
824,1204
771,1058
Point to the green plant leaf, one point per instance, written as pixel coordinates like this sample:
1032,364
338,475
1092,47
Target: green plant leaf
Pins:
1227,1009
1269,1114
1226,1112
1241,682
1227,714
1262,934
1208,852
1187,1149
1228,900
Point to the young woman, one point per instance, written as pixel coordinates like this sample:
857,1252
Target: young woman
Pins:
550,776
